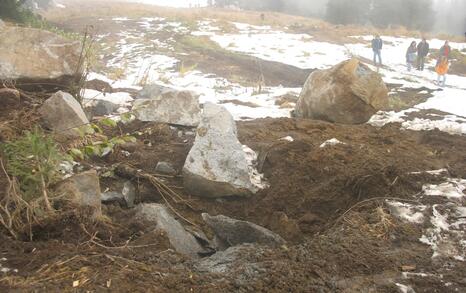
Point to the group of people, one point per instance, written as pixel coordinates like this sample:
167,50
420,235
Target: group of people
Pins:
416,56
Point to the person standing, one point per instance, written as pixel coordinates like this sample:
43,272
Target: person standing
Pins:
445,50
377,45
422,52
411,55
442,69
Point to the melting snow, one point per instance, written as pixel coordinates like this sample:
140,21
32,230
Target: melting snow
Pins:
331,142
257,179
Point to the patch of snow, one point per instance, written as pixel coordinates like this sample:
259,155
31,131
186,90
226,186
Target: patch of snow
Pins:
331,142
407,212
287,138
404,288
432,172
257,179
452,189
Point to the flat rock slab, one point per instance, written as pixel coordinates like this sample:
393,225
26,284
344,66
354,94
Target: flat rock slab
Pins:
34,54
235,232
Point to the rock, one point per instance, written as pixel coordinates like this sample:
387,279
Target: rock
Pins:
349,93
9,96
97,107
129,193
62,113
232,259
84,190
153,91
179,108
34,55
181,240
234,232
111,197
165,168
217,166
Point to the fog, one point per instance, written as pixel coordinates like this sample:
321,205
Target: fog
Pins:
449,15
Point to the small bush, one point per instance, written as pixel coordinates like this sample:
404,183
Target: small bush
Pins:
34,160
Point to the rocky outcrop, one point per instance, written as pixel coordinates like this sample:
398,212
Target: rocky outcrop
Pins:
181,240
84,190
37,56
217,166
63,114
234,232
173,107
348,93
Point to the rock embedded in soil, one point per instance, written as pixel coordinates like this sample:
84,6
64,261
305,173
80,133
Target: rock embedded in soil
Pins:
63,114
165,168
84,190
235,232
129,193
181,240
37,56
9,96
232,259
216,165
348,93
174,107
97,107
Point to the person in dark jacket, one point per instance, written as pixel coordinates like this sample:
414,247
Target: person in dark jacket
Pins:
377,44
411,55
422,52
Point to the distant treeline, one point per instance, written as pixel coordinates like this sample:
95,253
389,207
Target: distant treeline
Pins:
413,14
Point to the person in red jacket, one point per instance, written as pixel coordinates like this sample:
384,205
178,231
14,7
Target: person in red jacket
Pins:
445,50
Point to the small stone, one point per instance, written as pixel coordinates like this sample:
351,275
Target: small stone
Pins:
129,193
111,197
165,168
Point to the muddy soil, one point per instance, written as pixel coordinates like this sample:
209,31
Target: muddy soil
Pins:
310,189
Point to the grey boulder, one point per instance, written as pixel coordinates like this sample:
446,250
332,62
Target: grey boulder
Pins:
152,91
63,114
216,165
165,168
37,55
235,232
178,108
97,107
348,93
181,240
84,190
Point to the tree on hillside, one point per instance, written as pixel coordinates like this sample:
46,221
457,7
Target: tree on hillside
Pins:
348,11
413,14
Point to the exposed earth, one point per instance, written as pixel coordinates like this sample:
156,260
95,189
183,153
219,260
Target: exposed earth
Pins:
345,209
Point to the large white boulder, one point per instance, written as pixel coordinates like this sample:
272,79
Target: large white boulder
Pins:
172,107
63,114
37,55
217,166
348,93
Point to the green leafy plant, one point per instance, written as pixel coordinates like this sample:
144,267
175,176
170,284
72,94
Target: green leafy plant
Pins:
34,159
104,145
